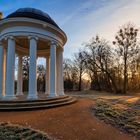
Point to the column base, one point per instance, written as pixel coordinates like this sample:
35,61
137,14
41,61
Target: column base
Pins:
19,93
61,93
32,97
9,97
53,95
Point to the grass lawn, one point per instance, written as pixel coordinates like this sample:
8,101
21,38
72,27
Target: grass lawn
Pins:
15,132
119,110
125,114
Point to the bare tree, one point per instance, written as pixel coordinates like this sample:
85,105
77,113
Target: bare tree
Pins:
111,68
25,67
79,66
126,48
99,55
41,74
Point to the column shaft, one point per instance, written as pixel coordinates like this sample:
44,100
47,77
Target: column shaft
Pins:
10,70
4,71
32,69
57,71
47,90
19,78
1,69
60,81
53,70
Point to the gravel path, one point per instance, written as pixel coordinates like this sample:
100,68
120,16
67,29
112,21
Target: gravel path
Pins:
72,122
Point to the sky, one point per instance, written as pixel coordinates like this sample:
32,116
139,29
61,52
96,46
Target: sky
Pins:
82,19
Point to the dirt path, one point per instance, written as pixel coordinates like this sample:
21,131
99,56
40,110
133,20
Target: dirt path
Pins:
72,122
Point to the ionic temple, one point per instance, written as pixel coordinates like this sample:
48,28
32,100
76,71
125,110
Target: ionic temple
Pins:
30,32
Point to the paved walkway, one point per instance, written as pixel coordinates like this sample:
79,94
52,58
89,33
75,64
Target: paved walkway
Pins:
72,122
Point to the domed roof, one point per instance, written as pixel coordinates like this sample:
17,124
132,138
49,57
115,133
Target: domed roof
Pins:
33,13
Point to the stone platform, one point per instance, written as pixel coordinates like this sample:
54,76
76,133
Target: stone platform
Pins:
21,103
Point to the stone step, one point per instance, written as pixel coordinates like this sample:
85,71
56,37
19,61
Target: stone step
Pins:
44,102
39,106
38,100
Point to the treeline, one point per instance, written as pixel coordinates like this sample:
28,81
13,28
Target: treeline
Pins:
41,76
110,66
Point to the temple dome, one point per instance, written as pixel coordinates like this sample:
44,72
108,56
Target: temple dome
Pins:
34,14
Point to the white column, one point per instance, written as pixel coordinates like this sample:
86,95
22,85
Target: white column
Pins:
57,70
53,70
60,81
32,69
19,76
4,72
47,90
1,69
10,70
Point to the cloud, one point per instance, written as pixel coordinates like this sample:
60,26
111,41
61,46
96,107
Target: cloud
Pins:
104,21
83,19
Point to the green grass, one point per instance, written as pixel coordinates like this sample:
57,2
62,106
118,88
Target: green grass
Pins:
124,114
15,132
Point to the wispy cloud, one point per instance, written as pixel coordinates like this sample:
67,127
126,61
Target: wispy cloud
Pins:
83,19
104,21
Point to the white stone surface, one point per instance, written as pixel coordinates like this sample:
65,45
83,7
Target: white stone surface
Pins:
31,26
1,69
53,70
47,90
32,69
60,73
4,71
10,68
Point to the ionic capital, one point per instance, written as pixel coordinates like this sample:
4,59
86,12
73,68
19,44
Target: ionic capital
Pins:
53,43
10,37
33,37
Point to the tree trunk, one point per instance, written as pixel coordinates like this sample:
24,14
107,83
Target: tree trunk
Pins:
97,83
113,82
125,76
80,80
